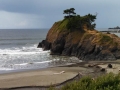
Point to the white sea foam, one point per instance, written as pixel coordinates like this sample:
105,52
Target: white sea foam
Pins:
27,57
23,64
5,69
43,62
24,50
18,49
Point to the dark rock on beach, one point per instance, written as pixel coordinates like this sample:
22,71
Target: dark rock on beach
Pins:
109,66
103,70
45,45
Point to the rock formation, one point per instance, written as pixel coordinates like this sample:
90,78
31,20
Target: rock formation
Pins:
82,43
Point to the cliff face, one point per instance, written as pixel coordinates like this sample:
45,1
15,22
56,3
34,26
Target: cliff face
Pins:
84,44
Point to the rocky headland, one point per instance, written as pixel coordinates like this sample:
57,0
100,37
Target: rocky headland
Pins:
83,42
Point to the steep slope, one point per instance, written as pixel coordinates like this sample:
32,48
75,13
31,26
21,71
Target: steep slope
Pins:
82,43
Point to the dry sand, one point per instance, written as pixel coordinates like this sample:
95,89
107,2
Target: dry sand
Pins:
42,77
115,69
49,76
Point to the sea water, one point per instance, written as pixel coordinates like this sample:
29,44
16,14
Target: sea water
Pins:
18,51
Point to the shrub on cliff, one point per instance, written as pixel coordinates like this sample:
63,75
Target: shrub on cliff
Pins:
74,23
88,20
77,22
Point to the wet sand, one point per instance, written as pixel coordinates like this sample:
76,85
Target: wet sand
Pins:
55,75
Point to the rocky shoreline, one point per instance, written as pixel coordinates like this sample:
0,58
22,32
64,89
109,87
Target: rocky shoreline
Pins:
84,49
98,51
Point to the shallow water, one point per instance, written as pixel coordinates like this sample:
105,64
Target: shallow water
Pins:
18,51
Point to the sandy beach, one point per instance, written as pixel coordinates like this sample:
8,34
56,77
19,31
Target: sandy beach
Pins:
42,77
54,75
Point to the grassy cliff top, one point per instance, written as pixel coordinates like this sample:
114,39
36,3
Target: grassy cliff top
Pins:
80,33
61,25
76,22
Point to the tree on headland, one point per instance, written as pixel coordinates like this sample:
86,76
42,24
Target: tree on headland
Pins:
77,21
74,23
88,20
70,12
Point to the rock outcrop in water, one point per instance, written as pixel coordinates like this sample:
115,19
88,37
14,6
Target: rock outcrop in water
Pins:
83,43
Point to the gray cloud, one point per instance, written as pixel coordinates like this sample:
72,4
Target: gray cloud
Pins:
18,20
42,13
22,6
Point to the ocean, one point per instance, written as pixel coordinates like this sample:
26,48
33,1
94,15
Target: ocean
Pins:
18,51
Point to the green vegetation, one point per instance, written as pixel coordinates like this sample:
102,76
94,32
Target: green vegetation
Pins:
77,21
108,40
74,23
89,20
69,12
104,38
63,24
106,82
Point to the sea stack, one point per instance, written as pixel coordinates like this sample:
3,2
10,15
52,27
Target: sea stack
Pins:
76,36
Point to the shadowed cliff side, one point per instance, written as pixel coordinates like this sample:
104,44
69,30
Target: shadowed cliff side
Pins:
82,42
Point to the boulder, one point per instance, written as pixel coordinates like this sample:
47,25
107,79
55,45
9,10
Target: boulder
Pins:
44,44
110,66
103,70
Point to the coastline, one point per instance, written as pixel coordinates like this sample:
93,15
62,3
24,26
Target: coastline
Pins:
54,75
44,77
33,69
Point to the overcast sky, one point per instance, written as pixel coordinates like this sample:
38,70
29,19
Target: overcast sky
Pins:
43,13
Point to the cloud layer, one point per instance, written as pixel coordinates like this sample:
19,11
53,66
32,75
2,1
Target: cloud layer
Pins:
42,13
